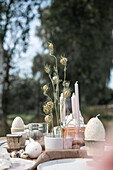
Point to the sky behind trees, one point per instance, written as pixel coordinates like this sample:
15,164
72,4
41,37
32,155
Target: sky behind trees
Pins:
23,65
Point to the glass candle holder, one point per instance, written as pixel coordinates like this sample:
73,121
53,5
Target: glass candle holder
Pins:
37,130
73,137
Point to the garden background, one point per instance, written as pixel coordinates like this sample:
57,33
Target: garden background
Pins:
80,30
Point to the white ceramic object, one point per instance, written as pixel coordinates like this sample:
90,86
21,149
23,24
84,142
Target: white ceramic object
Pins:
17,125
13,130
95,147
33,149
53,143
66,164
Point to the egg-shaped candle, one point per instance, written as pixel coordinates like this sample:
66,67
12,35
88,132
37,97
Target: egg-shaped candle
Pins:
94,129
94,137
17,125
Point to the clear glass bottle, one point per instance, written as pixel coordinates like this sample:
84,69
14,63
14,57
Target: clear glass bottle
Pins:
73,132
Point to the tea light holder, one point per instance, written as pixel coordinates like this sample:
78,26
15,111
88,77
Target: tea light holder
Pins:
14,141
37,130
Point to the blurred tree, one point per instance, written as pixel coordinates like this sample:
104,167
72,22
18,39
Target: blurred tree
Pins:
21,91
82,31
15,19
1,80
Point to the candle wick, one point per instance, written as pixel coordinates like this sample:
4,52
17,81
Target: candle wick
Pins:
97,115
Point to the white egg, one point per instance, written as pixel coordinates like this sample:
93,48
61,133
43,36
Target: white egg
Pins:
33,149
18,123
94,129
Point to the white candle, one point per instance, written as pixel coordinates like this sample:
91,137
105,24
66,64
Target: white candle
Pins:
62,108
77,93
77,103
73,103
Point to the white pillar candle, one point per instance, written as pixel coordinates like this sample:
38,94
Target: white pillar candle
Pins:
77,93
73,103
77,103
62,108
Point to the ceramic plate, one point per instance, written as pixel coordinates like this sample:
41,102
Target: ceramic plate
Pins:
66,164
21,164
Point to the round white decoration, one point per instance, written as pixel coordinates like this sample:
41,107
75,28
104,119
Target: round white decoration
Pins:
33,149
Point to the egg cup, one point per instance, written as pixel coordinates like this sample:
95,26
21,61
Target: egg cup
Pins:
95,147
13,130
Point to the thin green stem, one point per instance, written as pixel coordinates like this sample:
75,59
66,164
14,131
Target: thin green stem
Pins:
47,96
64,82
64,86
54,96
52,125
57,92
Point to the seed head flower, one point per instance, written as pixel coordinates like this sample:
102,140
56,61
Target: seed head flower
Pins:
47,69
49,105
66,92
55,79
45,88
67,84
63,61
51,48
48,119
45,109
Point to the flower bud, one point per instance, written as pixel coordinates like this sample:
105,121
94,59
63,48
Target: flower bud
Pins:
47,69
66,93
48,119
45,110
55,79
63,61
45,87
49,105
67,84
51,48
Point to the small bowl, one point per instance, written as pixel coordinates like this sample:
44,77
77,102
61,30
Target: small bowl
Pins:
94,147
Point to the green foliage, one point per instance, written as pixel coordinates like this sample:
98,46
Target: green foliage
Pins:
24,97
106,113
27,118
82,31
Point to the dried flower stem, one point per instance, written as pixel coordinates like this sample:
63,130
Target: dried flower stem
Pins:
64,82
57,93
54,96
47,96
52,124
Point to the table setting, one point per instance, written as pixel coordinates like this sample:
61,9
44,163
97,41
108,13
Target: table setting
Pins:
67,144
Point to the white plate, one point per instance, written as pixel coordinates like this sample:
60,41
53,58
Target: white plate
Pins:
21,164
66,164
